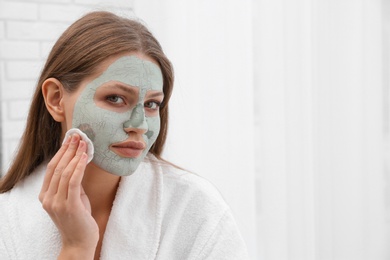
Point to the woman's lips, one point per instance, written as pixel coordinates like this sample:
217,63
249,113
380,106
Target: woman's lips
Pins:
130,149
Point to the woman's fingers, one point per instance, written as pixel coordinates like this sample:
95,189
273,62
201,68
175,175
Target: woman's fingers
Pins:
74,187
62,164
51,167
69,171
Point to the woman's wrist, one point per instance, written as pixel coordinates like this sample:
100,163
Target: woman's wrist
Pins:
75,253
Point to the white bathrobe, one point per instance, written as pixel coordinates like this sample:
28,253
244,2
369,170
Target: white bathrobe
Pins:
159,212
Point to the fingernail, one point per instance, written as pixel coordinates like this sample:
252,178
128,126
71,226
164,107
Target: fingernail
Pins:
74,138
67,141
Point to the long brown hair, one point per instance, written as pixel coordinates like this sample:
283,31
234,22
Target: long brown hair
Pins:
76,55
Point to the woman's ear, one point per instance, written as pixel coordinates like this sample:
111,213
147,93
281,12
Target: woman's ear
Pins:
53,93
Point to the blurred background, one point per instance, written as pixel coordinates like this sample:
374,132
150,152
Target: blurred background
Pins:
283,105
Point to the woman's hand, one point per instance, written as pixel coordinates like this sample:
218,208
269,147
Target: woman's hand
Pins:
64,199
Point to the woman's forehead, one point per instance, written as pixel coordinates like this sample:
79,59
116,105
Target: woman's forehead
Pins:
133,71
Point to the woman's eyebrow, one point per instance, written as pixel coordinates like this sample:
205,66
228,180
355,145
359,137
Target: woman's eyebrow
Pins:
130,89
155,94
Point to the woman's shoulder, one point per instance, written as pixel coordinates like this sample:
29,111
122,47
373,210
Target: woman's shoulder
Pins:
25,192
196,220
182,186
3,199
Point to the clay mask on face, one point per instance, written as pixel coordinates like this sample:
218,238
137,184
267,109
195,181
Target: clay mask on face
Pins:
106,126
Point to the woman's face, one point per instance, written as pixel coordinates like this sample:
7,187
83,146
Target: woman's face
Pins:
119,111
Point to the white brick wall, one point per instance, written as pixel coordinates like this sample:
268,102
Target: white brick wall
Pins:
18,10
28,30
34,30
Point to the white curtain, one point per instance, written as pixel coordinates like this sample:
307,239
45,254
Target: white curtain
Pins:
319,120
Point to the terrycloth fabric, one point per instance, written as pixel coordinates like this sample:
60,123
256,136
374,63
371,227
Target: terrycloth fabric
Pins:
26,230
159,212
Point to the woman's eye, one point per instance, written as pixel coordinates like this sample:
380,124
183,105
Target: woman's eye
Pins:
154,105
115,99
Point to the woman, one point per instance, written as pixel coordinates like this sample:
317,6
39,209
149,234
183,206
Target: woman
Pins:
107,80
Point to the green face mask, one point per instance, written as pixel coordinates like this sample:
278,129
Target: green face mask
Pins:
106,127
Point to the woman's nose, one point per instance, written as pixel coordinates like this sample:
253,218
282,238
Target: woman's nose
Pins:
137,121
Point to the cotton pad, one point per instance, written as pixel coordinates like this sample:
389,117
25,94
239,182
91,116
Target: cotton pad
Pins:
84,137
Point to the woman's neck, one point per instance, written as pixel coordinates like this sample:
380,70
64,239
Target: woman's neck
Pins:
100,187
